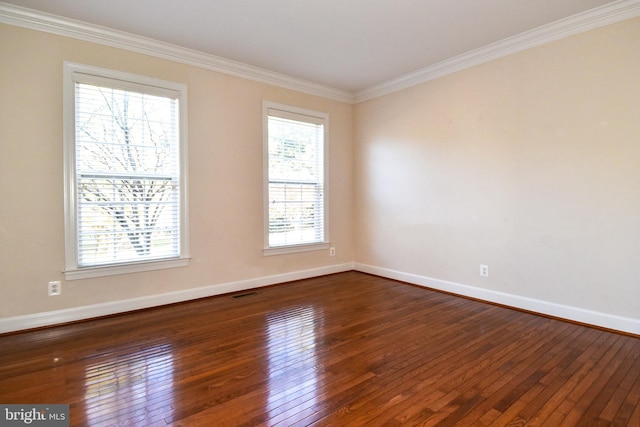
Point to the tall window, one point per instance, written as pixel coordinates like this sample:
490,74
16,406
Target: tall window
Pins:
125,172
295,182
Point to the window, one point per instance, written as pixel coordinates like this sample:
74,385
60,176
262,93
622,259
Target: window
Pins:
295,179
125,172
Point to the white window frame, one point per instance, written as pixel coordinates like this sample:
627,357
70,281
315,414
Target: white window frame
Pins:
313,116
72,73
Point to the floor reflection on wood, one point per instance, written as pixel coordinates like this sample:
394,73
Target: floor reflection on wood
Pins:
347,349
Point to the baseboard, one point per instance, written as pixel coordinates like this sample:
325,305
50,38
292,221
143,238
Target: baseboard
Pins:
50,318
574,314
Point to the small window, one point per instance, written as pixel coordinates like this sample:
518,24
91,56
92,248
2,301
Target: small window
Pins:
125,155
295,179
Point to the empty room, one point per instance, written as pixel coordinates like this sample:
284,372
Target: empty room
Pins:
293,213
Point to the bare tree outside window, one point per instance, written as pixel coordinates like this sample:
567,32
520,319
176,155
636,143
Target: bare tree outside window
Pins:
127,175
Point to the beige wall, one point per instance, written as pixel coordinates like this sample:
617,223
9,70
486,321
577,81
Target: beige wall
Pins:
529,163
225,176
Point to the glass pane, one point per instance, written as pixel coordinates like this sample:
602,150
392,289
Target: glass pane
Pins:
127,176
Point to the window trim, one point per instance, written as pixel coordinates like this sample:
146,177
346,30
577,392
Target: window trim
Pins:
73,72
317,118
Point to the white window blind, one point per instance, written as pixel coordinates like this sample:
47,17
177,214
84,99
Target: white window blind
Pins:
126,173
296,178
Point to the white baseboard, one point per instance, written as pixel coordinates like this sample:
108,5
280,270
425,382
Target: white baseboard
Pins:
37,320
594,318
604,320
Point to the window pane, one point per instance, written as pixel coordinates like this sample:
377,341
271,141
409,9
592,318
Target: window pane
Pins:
295,214
295,150
296,181
124,220
127,176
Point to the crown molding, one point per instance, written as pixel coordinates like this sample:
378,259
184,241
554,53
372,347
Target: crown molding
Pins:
598,17
35,20
595,18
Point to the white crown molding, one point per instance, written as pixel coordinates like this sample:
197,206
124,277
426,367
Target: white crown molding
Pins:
608,14
598,17
35,20
574,314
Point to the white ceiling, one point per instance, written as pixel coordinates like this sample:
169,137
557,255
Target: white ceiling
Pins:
350,45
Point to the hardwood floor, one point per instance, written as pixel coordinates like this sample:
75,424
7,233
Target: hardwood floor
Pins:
343,350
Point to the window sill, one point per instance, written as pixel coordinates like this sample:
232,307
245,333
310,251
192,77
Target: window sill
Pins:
281,250
112,270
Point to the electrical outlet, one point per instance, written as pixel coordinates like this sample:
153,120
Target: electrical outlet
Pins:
55,288
332,251
484,270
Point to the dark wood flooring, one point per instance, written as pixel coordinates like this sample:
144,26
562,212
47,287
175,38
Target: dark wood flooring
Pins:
343,350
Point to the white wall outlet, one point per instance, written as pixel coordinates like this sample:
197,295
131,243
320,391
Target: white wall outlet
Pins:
55,288
484,270
332,251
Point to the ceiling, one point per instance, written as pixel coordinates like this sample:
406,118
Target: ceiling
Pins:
349,45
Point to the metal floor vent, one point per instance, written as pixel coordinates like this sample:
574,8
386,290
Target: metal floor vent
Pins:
246,294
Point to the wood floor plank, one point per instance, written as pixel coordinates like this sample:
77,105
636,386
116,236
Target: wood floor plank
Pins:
402,375
618,387
631,402
348,349
584,393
